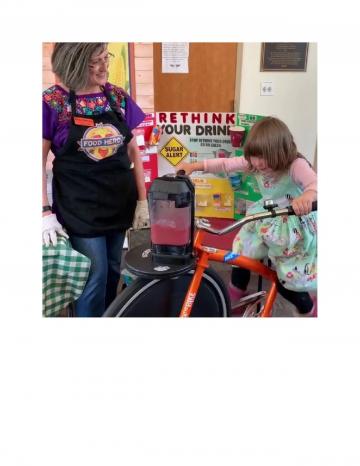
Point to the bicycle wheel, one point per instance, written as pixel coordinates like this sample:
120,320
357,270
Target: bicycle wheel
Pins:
164,298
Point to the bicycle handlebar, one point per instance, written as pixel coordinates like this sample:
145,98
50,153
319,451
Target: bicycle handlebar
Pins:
203,224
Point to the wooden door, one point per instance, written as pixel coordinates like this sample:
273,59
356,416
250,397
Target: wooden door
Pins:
208,87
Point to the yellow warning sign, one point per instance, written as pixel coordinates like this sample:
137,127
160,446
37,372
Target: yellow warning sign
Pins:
174,152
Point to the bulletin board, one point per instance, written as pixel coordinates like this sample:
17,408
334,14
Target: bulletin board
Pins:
208,87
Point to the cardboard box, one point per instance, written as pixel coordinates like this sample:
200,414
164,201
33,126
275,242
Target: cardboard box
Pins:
214,197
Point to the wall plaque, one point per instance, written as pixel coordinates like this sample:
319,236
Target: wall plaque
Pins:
284,56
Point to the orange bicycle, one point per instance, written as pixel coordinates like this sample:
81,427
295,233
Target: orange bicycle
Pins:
190,287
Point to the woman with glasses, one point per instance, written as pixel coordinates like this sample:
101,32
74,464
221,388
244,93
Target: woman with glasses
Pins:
98,181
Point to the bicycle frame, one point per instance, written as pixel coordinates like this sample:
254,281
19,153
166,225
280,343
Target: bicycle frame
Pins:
205,254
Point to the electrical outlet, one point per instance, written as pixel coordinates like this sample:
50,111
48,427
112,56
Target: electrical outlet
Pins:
266,88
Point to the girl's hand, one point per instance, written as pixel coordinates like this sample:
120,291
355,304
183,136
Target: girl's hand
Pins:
190,167
187,167
302,205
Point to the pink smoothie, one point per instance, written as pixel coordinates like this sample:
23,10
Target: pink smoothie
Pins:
165,234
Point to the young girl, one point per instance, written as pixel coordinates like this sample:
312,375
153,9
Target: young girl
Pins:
286,177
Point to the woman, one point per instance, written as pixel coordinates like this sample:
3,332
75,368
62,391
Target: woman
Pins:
98,181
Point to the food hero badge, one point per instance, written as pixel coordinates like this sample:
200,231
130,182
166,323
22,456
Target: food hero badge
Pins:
101,141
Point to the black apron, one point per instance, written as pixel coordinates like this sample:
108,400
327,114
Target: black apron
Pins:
94,188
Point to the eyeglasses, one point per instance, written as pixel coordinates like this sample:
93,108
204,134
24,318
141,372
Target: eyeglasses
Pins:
106,60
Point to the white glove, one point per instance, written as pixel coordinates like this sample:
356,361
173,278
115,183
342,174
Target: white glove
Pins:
141,217
50,228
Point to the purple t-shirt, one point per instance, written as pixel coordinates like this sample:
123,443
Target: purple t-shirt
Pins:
57,110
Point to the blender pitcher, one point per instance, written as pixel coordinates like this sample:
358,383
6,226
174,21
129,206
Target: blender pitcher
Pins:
171,208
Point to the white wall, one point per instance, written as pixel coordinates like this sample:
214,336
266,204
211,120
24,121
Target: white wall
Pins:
294,100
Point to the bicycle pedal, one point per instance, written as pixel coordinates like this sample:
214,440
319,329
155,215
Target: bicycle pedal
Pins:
250,302
249,299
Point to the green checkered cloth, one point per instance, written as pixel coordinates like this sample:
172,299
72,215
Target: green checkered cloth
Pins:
65,272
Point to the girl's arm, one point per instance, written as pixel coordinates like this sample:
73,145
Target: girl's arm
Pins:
232,164
190,167
305,177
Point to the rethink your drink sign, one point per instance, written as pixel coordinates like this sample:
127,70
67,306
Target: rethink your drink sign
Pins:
192,136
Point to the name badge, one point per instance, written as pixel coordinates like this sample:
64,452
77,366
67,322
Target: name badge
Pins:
83,121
